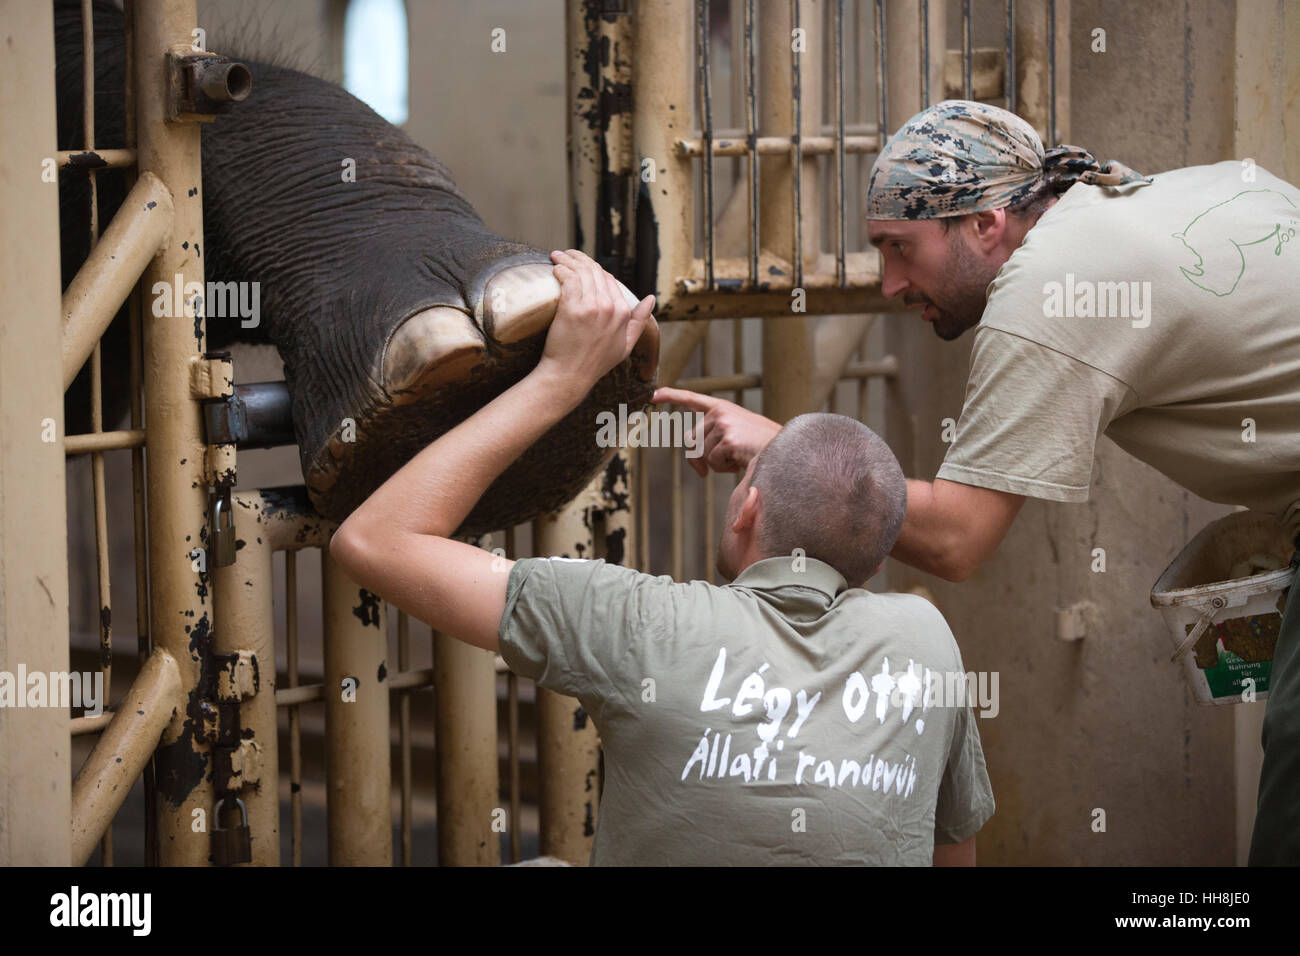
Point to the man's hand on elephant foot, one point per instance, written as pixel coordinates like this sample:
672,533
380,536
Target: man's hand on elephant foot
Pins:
443,362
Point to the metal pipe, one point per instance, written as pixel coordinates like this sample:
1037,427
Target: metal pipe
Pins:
925,53
404,731
967,88
1009,63
103,441
122,751
295,722
77,160
840,238
243,599
512,739
665,215
357,762
135,336
1040,78
110,272
816,145
567,744
180,620
751,137
465,727
706,127
84,726
882,73
721,383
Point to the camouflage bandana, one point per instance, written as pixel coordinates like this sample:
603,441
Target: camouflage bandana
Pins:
960,157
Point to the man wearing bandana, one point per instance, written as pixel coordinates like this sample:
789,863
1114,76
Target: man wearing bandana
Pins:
1158,310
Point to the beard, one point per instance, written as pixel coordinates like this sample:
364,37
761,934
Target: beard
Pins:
964,279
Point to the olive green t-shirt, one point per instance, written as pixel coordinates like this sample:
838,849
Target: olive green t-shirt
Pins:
782,719
1166,316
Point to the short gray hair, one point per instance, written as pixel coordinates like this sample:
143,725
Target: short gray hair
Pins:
830,486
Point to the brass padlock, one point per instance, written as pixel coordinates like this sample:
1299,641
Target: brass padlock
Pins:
232,846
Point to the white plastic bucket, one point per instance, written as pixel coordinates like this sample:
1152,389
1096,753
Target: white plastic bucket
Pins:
1225,628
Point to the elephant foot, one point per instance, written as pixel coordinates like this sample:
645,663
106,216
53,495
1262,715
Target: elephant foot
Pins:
440,364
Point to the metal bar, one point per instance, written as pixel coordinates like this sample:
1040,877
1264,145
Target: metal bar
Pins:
84,726
777,146
796,89
662,107
1052,133
404,731
840,226
414,679
676,509
465,726
886,367
823,297
180,618
706,128
967,88
751,138
925,53
358,766
512,738
295,725
709,504
122,751
738,360
1009,65
721,383
567,746
512,744
77,160
244,602
643,513
102,571
103,441
143,645
297,694
881,72
110,272
1041,68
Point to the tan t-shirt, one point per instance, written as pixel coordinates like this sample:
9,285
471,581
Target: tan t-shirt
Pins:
1166,316
782,719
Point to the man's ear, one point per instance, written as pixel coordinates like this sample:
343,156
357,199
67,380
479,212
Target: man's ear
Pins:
750,508
988,228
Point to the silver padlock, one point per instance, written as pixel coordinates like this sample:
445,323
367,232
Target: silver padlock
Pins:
223,530
231,846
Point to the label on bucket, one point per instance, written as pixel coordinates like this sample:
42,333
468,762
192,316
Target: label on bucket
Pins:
1236,651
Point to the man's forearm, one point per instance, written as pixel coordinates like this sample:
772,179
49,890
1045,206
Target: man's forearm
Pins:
433,492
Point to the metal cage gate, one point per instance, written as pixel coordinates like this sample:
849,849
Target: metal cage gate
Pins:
813,90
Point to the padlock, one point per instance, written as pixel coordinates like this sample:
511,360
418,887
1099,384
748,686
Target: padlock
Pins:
232,846
223,530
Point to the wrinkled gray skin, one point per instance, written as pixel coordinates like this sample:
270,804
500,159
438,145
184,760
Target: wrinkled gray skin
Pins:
340,265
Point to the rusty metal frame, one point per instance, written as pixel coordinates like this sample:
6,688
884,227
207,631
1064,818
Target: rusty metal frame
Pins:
208,627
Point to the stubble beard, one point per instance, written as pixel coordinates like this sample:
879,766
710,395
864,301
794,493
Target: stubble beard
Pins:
965,279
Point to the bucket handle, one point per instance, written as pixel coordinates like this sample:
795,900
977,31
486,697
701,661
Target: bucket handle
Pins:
1195,635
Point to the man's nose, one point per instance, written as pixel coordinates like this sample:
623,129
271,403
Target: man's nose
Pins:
892,282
